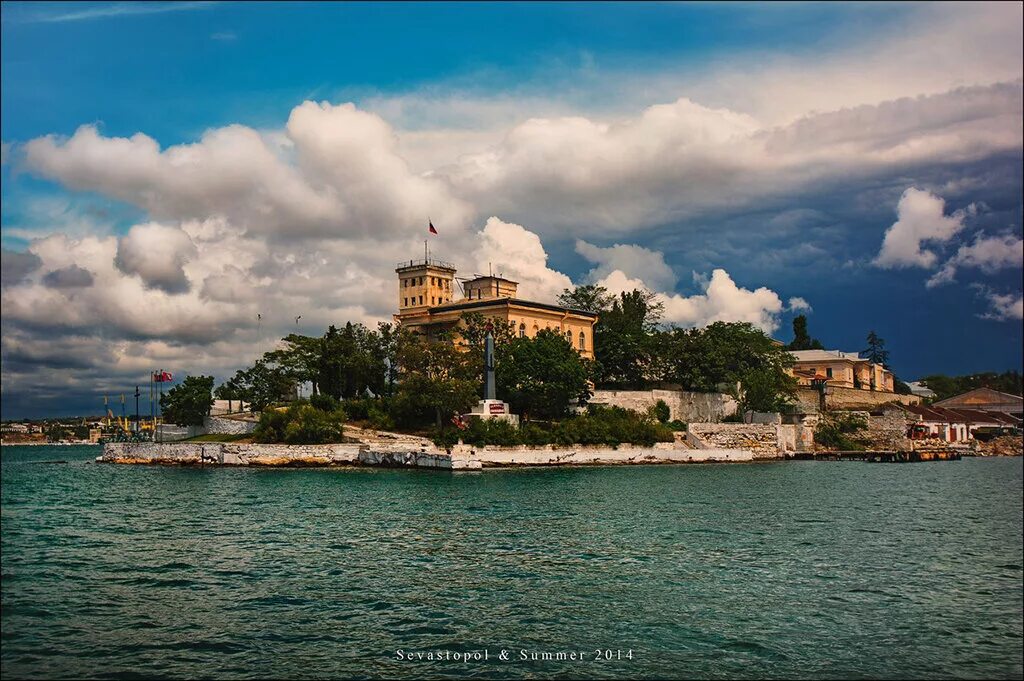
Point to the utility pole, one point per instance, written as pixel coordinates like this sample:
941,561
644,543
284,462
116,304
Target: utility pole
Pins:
137,424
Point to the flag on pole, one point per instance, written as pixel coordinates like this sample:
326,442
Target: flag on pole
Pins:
432,230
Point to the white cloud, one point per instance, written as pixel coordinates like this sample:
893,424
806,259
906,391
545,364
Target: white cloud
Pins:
114,9
721,301
1002,306
989,254
631,259
516,253
797,304
157,254
920,218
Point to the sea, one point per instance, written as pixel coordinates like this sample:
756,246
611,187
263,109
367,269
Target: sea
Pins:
796,569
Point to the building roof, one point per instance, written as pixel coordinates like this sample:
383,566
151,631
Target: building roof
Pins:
985,399
825,356
491,302
484,277
936,414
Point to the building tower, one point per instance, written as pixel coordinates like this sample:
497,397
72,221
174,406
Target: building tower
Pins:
424,284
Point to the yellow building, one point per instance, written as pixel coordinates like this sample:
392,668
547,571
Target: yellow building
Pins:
840,369
427,305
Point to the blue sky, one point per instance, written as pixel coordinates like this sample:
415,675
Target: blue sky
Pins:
616,143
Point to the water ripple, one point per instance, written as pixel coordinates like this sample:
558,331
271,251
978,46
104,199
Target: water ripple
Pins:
803,569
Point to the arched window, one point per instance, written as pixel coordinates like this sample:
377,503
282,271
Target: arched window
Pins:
583,341
568,337
522,330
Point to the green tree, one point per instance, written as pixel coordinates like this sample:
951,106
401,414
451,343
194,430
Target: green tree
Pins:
625,344
262,385
301,424
801,339
726,353
541,376
875,352
1011,382
189,402
436,380
594,299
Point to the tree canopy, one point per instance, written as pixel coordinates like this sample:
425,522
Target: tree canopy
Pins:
189,402
724,354
541,376
801,338
1011,382
875,352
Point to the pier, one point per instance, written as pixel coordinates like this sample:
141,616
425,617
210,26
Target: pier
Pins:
881,456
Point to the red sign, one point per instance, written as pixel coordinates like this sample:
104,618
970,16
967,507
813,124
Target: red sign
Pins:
496,408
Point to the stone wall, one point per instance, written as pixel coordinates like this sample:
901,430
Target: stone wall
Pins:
683,406
231,454
761,439
887,430
849,398
226,426
583,455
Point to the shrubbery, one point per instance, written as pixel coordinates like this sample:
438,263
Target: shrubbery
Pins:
834,431
301,424
661,411
599,425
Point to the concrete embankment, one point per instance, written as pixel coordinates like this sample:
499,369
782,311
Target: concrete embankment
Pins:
460,457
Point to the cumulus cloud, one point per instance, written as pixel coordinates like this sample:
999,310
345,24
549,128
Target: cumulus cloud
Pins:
157,254
722,300
516,253
920,218
675,161
631,259
989,254
333,172
71,276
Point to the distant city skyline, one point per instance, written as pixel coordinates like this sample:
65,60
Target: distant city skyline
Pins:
184,183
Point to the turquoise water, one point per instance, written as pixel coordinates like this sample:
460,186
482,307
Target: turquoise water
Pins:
800,569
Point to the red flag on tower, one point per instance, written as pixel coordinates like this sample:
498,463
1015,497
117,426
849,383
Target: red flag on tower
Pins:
432,230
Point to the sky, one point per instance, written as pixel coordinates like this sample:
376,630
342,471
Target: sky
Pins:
180,181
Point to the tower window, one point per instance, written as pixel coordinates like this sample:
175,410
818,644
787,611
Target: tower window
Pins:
568,337
522,330
405,302
421,300
583,341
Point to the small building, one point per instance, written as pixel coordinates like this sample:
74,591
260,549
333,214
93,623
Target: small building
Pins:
985,399
840,369
428,305
954,425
